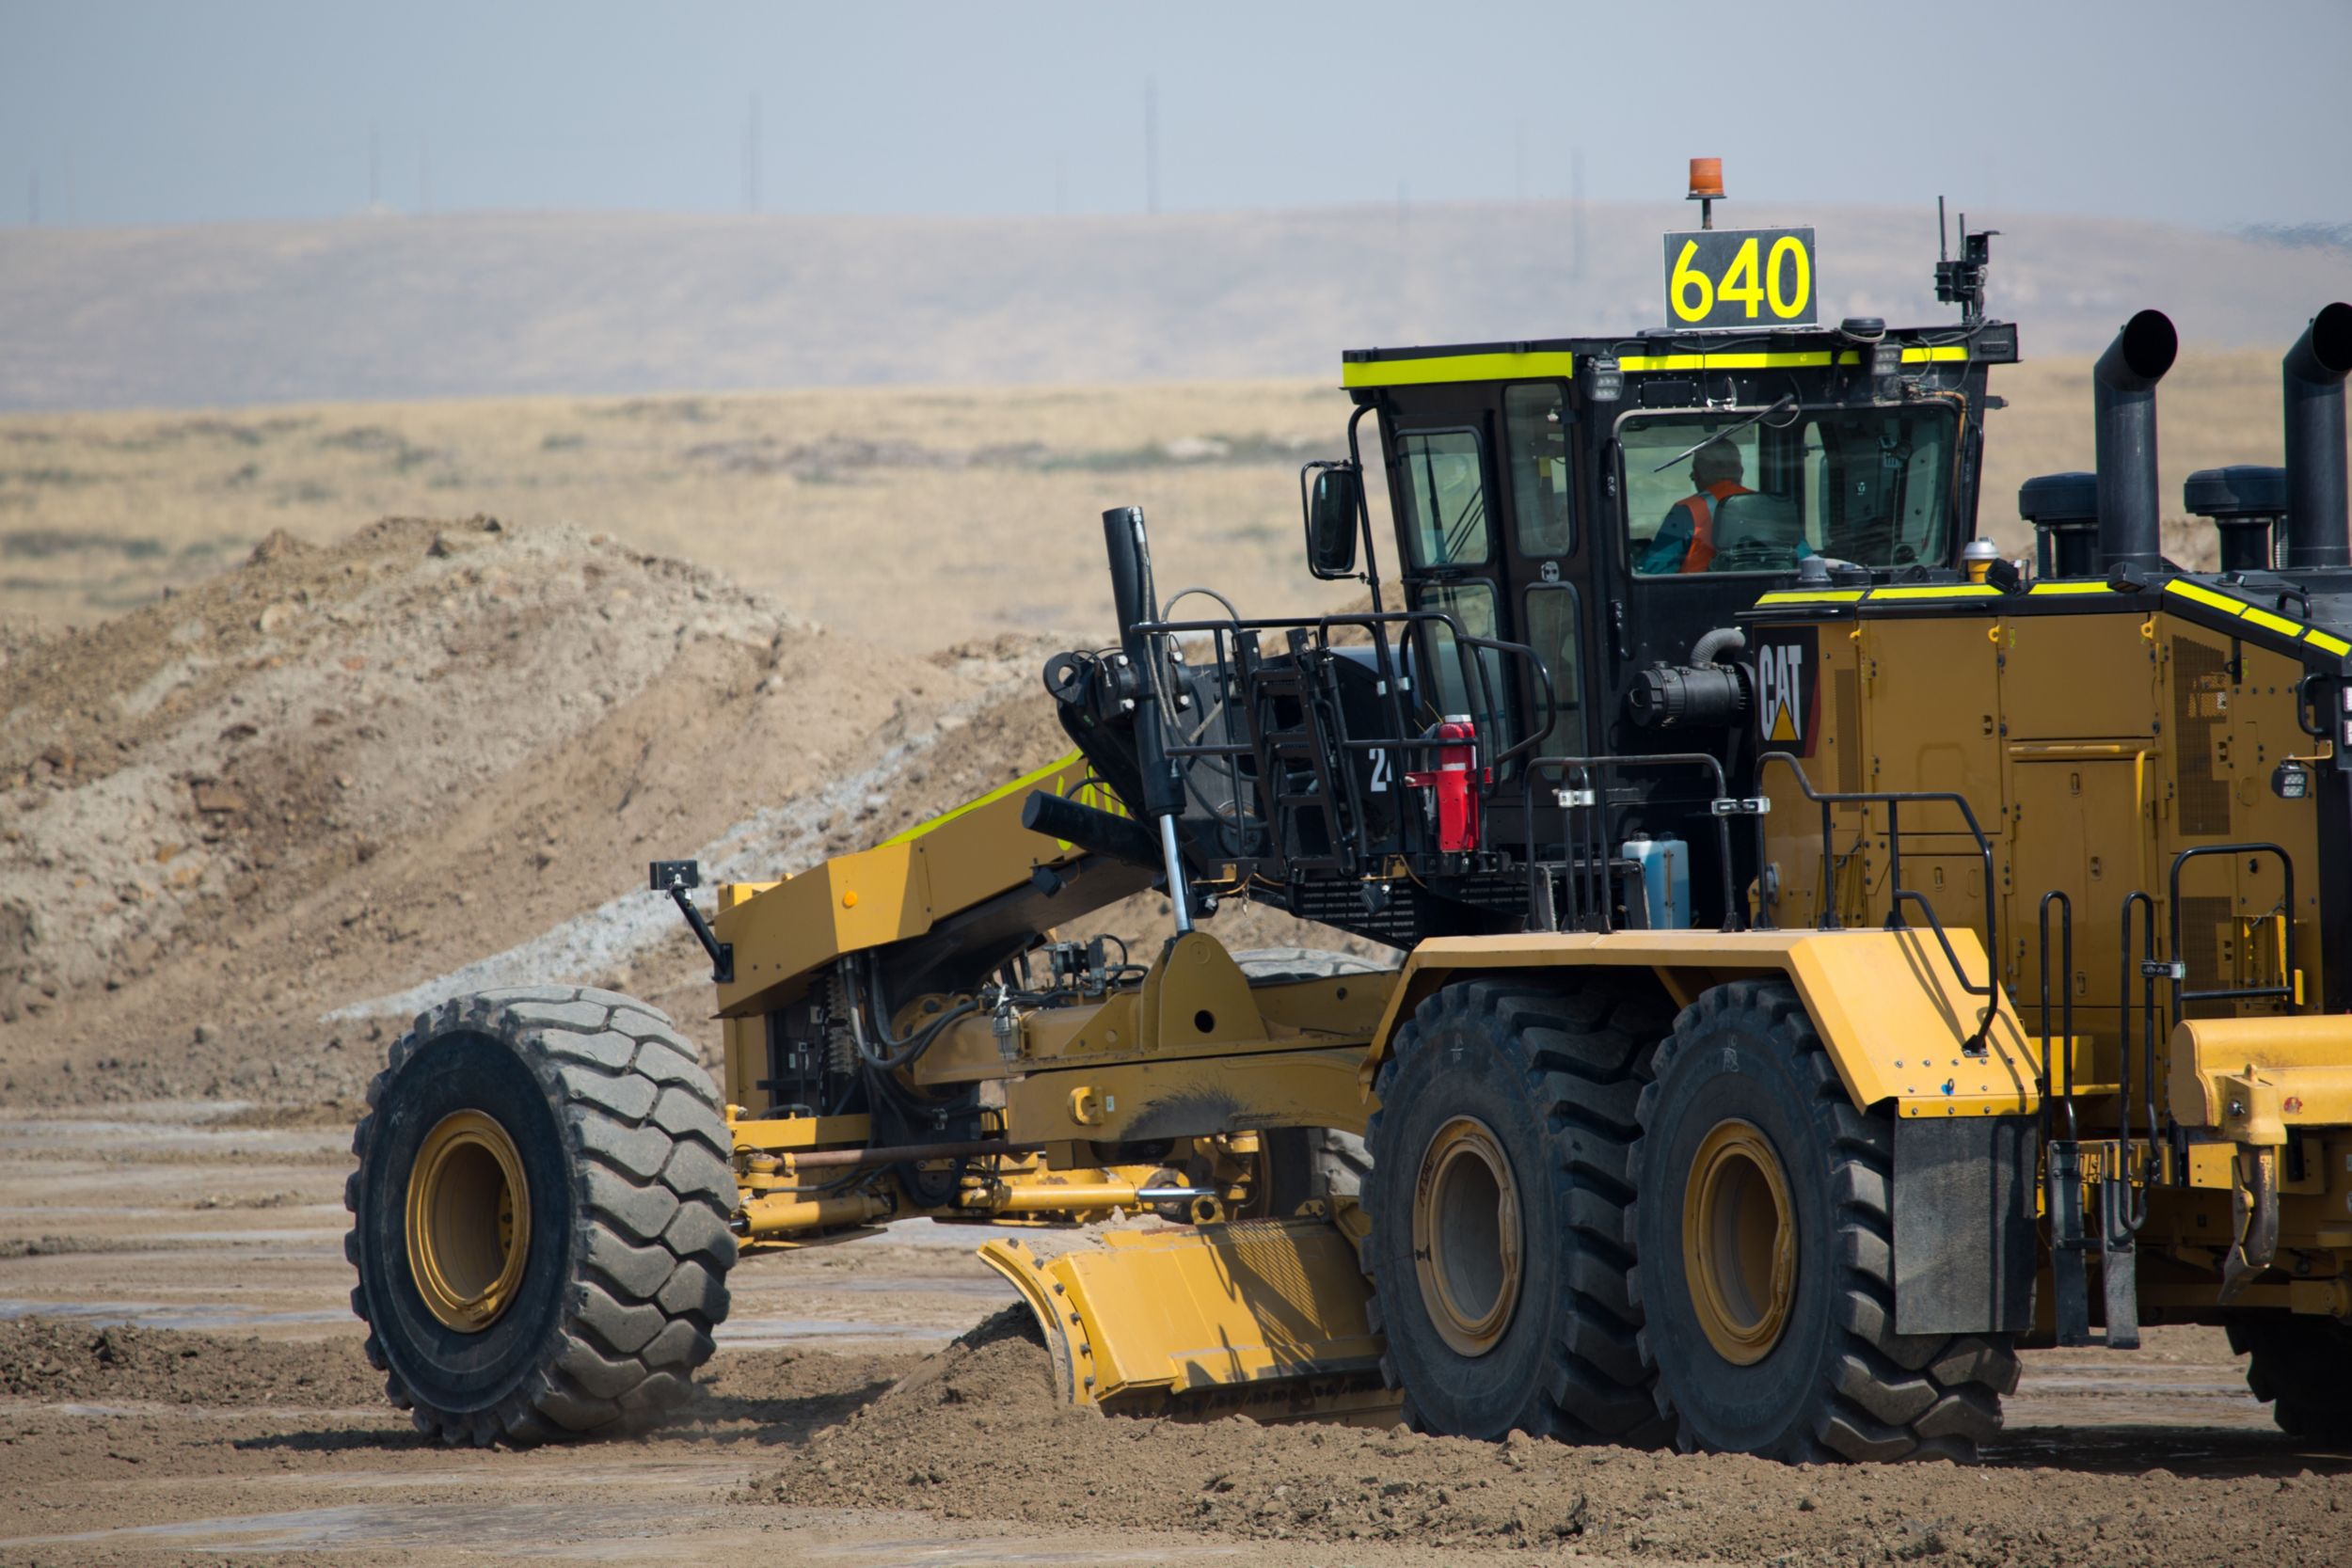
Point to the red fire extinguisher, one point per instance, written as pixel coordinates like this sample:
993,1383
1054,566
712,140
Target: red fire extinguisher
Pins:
1453,783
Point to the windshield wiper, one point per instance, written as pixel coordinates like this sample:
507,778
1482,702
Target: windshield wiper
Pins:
1788,400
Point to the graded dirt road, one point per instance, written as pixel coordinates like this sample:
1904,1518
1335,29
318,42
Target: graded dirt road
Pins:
181,1380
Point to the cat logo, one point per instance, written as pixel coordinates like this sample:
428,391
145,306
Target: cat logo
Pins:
1784,692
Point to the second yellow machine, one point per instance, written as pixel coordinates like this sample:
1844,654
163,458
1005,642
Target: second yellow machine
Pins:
1826,956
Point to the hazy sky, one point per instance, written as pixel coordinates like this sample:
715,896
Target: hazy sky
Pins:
2206,113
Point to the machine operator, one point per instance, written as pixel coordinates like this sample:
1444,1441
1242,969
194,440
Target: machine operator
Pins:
1685,541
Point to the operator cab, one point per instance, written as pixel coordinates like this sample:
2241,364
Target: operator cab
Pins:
1536,490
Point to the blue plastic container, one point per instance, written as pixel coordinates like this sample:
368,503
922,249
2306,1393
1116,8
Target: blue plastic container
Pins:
1665,866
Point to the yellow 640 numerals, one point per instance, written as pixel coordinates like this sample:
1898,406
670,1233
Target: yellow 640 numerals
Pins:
1783,284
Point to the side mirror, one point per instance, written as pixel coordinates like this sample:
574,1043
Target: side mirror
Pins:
1335,497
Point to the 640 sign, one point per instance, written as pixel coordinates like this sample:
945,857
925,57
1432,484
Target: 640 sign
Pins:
1740,278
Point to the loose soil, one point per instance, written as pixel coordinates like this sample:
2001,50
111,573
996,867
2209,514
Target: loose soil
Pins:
975,1432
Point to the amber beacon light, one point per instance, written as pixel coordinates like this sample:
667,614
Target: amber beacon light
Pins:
1706,187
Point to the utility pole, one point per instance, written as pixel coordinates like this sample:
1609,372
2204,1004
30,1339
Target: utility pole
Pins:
69,187
33,206
376,169
1518,160
1061,184
750,158
1151,144
424,175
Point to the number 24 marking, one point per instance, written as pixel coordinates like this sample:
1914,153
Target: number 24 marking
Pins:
1784,286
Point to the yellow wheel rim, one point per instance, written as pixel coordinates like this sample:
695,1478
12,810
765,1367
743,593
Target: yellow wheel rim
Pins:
1739,1243
469,1220
1467,1242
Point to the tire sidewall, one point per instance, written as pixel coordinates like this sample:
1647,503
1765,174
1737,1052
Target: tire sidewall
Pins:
1737,1068
453,1373
1453,1067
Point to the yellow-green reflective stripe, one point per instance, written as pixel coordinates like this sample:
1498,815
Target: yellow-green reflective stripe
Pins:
1454,367
2205,596
1759,361
2055,589
1776,359
2335,645
2279,623
1955,591
1027,782
1833,595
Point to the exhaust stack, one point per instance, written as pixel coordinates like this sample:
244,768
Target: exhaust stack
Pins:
2314,371
2124,392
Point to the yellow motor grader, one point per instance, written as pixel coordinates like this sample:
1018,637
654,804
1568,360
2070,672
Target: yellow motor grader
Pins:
1827,955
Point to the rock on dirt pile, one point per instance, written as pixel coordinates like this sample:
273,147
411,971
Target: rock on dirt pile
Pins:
974,1432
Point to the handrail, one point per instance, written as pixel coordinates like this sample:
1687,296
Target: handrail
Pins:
1237,663
2230,994
1899,896
2150,968
1594,869
1389,672
2066,1002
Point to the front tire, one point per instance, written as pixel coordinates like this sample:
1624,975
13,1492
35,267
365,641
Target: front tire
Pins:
539,1218
1497,1194
1765,1231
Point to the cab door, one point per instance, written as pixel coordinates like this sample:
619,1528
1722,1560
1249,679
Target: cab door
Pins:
1442,463
1546,551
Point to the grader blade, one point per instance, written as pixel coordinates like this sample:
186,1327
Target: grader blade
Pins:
1264,1318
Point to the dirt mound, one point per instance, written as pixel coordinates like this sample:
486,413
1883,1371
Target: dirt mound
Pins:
437,755
52,1361
974,1432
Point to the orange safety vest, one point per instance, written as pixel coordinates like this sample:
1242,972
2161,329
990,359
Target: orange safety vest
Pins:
1702,549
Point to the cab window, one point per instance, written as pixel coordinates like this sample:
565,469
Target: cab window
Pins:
1445,498
1872,486
1555,631
1535,431
1454,683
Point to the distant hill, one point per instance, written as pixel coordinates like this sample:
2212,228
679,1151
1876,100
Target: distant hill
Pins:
502,304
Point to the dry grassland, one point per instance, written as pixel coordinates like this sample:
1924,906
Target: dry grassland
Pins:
916,517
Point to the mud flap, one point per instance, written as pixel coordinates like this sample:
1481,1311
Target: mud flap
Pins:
1964,1224
1265,1318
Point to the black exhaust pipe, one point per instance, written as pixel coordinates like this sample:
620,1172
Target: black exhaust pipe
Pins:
2123,395
2319,530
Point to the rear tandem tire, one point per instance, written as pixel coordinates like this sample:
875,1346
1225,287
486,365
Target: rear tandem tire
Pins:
1544,1080
2301,1367
592,1104
1780,1341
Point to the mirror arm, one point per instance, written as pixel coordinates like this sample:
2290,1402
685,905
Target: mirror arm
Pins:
1363,505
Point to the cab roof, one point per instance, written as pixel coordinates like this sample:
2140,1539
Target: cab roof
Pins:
1988,343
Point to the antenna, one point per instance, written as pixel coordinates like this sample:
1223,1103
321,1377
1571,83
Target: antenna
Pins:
1962,283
